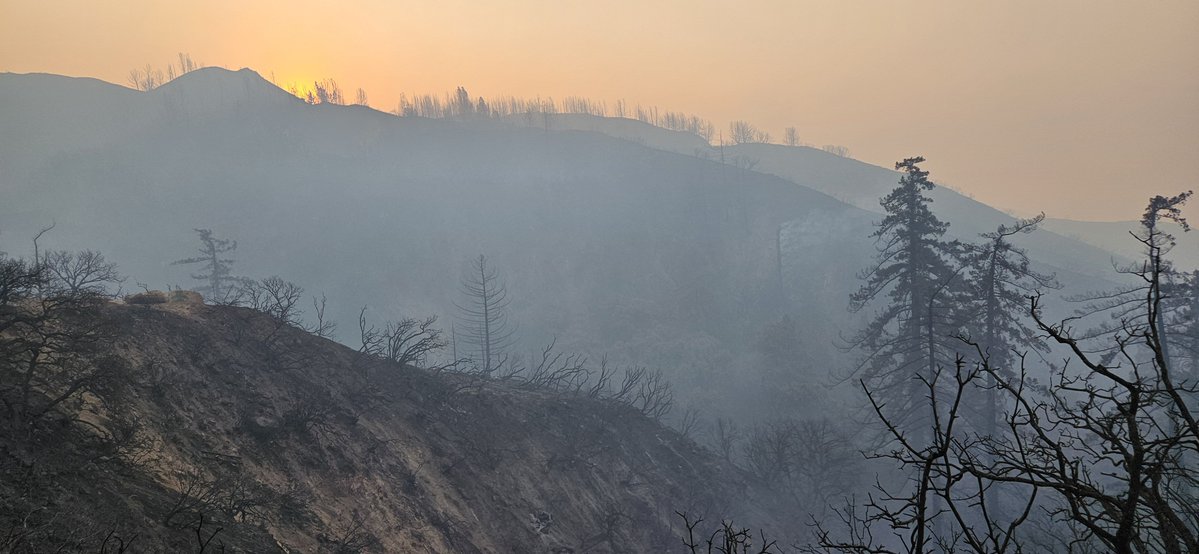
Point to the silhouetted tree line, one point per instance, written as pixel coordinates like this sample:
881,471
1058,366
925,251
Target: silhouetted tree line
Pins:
460,105
1094,454
150,77
1099,453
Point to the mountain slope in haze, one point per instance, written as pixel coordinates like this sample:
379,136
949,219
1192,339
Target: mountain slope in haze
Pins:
1115,236
614,248
225,424
1077,261
608,245
862,185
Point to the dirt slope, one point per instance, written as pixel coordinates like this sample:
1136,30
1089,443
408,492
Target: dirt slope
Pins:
288,442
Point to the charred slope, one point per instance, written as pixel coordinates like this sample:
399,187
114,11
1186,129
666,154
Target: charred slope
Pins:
226,425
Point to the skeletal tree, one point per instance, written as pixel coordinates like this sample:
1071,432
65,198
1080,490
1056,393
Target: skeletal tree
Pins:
726,438
52,345
1127,302
323,326
410,341
791,136
86,272
483,315
836,150
811,461
145,79
460,105
743,132
327,92
725,539
275,297
220,286
1099,452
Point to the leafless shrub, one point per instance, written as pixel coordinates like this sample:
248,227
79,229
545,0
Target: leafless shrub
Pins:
145,79
600,386
323,327
53,348
123,438
407,342
742,132
84,273
555,371
791,136
150,77
314,413
646,390
689,423
351,536
811,460
203,543
114,543
231,494
372,343
654,396
325,92
194,491
836,150
726,437
726,539
274,297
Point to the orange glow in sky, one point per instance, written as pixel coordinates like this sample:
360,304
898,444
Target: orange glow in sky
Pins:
1079,108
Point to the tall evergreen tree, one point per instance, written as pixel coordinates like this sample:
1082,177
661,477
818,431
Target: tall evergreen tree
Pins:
907,340
1001,280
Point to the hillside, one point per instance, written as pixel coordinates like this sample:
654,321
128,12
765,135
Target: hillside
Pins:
612,244
591,232
1065,250
1114,236
217,422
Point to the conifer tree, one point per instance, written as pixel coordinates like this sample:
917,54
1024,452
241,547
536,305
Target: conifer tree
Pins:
220,286
483,315
1155,281
1001,282
916,272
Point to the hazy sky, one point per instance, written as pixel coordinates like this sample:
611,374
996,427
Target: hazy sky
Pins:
1079,108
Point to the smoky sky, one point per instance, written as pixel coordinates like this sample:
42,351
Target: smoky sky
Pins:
1079,108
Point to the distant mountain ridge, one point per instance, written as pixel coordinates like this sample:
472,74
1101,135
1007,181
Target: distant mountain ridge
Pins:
854,182
615,244
1115,236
